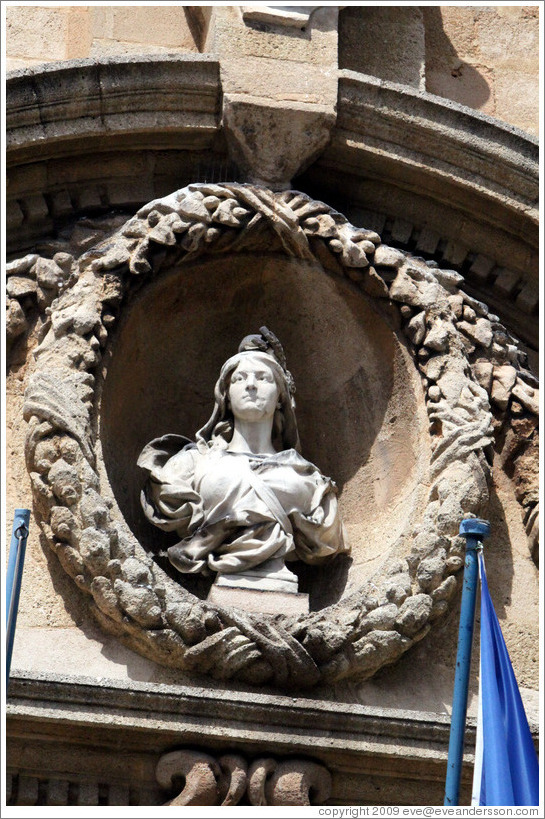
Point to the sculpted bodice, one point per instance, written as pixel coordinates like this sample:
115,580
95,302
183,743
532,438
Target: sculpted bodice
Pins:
237,510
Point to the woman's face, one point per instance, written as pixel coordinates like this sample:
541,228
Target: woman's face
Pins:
253,391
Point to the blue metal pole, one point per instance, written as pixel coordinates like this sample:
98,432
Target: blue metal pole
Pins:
474,530
19,534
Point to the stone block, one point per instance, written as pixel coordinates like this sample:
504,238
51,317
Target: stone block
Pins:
270,602
14,216
102,21
517,98
273,143
57,792
88,793
369,219
506,281
428,240
36,31
35,208
506,40
481,268
61,204
230,38
401,230
528,298
276,80
28,790
158,25
89,197
135,191
455,252
385,42
78,32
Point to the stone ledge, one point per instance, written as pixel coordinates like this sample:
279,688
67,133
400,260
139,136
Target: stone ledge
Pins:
106,702
460,147
66,102
71,729
296,721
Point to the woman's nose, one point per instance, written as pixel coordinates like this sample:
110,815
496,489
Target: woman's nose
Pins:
251,382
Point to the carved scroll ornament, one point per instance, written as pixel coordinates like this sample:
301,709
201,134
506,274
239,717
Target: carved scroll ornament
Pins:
229,779
466,360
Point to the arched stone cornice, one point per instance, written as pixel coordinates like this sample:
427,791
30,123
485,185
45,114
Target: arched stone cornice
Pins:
146,101
85,135
439,148
442,180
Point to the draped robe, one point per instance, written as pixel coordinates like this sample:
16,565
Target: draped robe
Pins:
234,511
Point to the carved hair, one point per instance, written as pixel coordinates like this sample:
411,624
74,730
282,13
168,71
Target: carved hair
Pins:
219,428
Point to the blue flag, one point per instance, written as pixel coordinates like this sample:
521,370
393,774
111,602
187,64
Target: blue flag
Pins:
506,767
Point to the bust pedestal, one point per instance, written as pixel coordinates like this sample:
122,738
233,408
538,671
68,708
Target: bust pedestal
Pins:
259,600
270,588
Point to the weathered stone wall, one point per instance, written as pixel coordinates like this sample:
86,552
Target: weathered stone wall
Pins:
36,34
43,621
484,57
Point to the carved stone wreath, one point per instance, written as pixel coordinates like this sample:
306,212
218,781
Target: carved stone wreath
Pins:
464,356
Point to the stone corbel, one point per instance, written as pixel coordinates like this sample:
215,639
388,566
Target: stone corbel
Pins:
275,129
272,142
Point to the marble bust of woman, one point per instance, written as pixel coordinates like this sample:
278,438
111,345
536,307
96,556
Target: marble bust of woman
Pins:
241,497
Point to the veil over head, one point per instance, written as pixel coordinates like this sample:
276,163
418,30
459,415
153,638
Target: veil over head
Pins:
266,348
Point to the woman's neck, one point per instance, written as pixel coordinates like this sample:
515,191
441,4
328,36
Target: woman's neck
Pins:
254,437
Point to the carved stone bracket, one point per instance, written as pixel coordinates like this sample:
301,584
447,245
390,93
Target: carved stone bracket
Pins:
229,780
466,359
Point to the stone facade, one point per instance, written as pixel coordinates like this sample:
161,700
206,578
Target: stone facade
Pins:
379,219
483,57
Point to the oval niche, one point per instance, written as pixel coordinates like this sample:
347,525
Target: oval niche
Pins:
360,408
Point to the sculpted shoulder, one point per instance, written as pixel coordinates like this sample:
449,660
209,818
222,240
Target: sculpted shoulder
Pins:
169,456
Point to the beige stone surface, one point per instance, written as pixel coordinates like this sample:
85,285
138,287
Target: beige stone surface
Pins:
252,600
383,41
143,25
36,34
515,97
487,58
381,484
230,37
264,77
47,33
280,87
